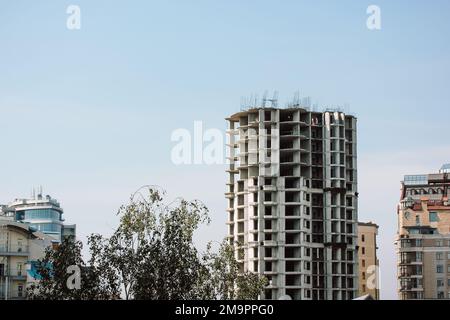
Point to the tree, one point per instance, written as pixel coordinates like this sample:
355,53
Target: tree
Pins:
152,251
57,270
224,279
151,255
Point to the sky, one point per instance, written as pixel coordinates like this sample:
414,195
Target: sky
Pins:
88,113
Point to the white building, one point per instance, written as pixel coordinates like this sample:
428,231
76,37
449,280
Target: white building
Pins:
20,246
43,213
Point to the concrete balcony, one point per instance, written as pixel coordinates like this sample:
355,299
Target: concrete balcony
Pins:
270,258
19,251
269,188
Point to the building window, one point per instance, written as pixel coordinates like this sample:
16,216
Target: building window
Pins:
363,238
364,288
364,276
440,283
433,216
363,250
20,290
419,256
363,262
439,268
417,220
439,243
439,256
47,227
46,214
441,295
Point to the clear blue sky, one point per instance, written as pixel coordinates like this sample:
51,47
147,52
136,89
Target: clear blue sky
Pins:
88,114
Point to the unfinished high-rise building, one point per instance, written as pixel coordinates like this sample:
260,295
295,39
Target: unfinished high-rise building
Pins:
292,200
423,238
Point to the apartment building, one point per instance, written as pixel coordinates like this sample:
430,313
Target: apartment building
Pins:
423,239
19,246
368,260
43,213
292,200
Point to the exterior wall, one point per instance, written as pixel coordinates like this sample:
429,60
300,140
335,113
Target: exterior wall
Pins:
18,246
423,241
42,213
292,200
368,260
13,261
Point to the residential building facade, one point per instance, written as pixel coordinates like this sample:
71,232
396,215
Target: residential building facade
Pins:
292,200
423,239
20,244
43,213
368,260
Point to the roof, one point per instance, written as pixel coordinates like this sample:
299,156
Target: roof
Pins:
24,227
368,224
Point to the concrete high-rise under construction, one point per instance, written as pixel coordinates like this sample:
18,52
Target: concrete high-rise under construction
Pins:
292,200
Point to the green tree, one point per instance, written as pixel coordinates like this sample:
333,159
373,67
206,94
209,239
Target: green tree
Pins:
55,273
151,255
225,281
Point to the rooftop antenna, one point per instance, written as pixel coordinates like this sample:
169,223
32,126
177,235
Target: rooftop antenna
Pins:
315,106
306,102
264,99
296,101
275,99
346,107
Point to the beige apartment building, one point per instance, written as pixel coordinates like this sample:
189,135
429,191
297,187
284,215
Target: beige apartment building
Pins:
423,241
368,260
292,200
19,247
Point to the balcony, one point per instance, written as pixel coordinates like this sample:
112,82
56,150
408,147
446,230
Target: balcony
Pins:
13,250
411,287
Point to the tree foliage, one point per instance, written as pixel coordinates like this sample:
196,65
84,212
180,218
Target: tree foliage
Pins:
151,255
54,271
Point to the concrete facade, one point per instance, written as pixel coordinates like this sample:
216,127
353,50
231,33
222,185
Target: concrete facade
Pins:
423,240
292,200
19,245
368,260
